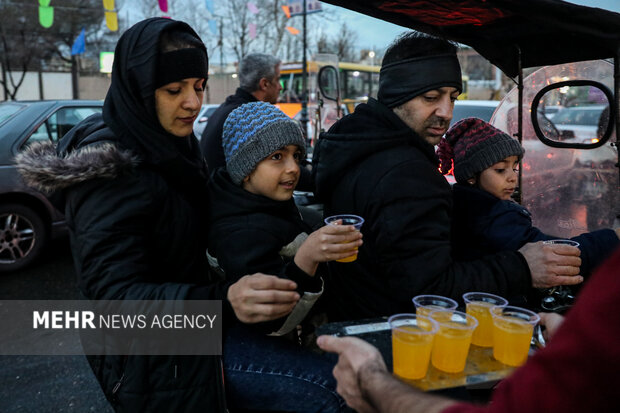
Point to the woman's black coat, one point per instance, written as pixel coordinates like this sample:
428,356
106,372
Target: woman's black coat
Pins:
134,198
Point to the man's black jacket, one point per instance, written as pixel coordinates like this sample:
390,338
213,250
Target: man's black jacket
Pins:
372,164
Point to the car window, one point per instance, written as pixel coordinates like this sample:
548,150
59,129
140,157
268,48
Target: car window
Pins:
472,111
209,112
60,122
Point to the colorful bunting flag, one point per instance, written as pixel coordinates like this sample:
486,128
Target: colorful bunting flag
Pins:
111,20
79,45
209,4
292,30
46,16
44,3
108,5
252,8
252,27
163,5
287,11
213,26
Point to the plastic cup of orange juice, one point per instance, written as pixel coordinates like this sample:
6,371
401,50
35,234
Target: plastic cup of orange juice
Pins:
354,220
512,334
412,342
424,304
479,306
451,343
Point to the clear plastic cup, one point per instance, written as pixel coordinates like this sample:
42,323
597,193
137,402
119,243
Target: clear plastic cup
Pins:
412,342
354,220
512,334
479,306
451,344
424,304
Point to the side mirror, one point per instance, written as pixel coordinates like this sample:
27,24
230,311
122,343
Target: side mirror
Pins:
573,114
328,83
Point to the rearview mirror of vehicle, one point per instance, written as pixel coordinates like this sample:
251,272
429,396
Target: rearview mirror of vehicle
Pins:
328,83
573,114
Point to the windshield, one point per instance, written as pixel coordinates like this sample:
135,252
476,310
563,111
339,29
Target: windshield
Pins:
7,110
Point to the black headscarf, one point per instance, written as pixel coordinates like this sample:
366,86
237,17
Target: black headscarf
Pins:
129,109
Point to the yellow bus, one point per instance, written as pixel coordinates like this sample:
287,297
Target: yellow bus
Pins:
358,82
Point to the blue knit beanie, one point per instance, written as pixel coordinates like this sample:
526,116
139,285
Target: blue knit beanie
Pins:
254,131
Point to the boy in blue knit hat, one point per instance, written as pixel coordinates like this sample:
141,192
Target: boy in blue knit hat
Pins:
255,225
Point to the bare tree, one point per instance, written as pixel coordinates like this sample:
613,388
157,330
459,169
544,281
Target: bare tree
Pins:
26,45
344,43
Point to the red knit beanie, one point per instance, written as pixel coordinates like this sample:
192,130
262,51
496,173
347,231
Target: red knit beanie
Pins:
474,145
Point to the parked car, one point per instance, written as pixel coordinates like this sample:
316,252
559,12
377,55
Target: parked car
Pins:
203,117
580,123
27,218
481,109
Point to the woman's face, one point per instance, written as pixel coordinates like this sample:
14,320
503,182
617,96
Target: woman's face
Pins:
177,104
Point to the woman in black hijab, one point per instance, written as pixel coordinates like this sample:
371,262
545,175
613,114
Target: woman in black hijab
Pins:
132,183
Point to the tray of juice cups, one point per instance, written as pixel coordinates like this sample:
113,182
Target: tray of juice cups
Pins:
440,347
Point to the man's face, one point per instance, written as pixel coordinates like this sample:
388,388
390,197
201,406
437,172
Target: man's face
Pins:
430,113
273,87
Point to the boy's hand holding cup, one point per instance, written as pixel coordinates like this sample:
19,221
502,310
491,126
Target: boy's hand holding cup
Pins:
347,253
338,240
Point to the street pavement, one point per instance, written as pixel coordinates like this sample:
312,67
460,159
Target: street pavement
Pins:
47,383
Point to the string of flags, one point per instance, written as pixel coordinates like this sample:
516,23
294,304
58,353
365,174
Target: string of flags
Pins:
293,8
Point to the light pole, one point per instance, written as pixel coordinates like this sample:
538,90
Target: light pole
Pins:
371,54
304,81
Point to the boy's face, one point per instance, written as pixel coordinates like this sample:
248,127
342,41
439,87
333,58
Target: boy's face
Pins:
276,176
500,179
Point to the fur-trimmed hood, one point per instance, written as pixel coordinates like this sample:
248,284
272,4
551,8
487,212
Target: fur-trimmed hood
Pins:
45,170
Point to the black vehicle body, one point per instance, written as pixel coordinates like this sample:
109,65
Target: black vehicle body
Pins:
569,183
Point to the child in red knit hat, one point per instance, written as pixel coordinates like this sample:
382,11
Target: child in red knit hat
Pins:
485,218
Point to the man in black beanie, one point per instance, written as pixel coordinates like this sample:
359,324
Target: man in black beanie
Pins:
380,163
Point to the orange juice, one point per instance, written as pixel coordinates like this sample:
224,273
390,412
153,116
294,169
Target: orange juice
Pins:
450,349
351,258
511,337
346,219
483,335
427,309
411,351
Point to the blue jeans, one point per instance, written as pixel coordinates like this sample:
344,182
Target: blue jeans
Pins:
271,373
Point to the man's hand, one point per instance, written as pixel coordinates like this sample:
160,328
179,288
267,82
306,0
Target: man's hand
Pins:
259,297
366,385
552,264
552,322
354,356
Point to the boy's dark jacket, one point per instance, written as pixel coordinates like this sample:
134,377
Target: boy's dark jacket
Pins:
483,224
248,232
134,200
372,164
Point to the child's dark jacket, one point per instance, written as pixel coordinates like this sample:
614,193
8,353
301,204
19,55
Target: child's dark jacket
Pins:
251,233
484,224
